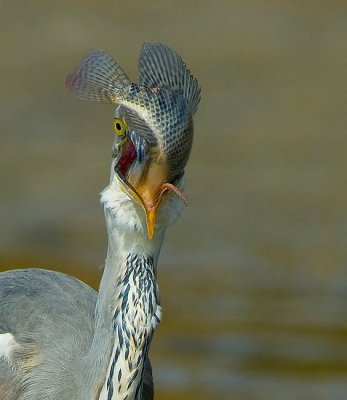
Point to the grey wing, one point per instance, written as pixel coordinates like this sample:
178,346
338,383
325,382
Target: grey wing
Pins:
41,312
10,381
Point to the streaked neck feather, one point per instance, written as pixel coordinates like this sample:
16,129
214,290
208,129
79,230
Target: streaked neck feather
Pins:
129,295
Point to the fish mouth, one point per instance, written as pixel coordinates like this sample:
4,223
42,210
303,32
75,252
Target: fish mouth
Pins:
144,176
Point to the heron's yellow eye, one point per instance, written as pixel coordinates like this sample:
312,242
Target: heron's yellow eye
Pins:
119,126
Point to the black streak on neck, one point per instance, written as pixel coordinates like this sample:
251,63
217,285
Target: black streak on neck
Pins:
139,269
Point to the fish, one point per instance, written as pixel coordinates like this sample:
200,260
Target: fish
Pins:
153,121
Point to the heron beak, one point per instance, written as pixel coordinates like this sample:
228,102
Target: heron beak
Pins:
145,182
151,190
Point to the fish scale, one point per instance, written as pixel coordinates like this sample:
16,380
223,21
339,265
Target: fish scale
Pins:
160,108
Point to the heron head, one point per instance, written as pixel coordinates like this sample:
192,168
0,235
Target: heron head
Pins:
143,172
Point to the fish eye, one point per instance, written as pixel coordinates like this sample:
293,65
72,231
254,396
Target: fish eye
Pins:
119,126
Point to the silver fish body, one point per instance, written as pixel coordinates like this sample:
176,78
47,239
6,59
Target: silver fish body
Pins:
159,108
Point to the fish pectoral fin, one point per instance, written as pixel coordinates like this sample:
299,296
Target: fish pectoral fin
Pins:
159,66
97,77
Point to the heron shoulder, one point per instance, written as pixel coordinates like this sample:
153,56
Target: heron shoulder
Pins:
36,301
46,319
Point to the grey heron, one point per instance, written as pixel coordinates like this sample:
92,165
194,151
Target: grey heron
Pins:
60,339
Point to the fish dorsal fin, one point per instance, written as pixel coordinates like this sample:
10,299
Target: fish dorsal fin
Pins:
159,66
96,78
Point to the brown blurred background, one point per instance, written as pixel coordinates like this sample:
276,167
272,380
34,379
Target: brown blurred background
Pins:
253,278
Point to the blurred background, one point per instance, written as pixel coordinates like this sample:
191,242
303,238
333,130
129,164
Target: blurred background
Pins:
253,278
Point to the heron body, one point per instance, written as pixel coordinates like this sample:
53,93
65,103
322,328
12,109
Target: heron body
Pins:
61,340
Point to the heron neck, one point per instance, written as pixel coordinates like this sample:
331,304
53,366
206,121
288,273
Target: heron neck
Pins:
126,313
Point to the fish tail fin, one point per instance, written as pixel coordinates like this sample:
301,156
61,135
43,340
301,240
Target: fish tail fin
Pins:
159,66
97,78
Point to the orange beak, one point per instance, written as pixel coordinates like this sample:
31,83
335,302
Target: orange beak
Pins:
149,192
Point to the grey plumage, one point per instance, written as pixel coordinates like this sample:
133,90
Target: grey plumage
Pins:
41,308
